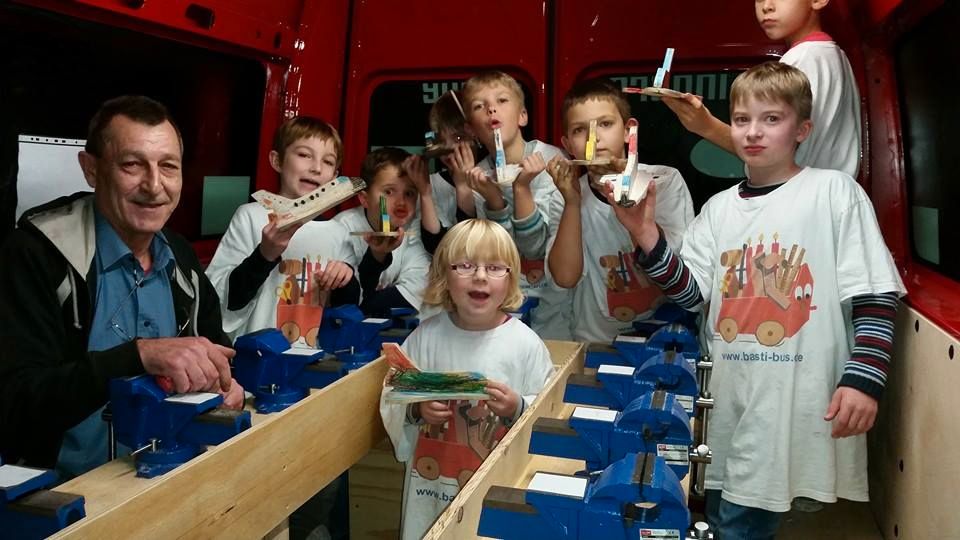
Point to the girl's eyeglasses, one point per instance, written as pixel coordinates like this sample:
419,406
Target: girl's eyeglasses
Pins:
467,269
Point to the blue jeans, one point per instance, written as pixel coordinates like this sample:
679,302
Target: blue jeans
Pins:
730,521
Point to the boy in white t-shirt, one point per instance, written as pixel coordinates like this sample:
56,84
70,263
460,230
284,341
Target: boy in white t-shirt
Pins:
530,207
392,270
591,251
835,143
786,260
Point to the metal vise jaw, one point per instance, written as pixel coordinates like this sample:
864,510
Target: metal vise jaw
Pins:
638,492
167,431
615,386
655,422
278,375
29,511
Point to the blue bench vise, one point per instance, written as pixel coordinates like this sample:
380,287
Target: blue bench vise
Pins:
29,511
351,336
615,386
279,375
655,423
635,350
638,493
167,431
525,311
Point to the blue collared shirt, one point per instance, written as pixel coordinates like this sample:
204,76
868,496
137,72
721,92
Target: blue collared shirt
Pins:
127,304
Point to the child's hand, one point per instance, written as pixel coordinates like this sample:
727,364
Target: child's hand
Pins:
530,167
380,246
273,241
616,166
691,112
335,275
564,175
416,169
503,400
435,412
460,162
851,411
639,219
487,188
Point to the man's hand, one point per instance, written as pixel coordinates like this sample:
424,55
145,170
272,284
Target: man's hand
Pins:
530,167
691,112
564,175
503,400
335,275
380,246
487,188
233,398
851,411
416,169
273,241
435,412
639,219
193,364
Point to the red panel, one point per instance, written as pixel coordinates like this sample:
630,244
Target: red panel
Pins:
599,38
267,26
433,39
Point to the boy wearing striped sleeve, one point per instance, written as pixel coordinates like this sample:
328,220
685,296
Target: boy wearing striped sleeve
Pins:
802,295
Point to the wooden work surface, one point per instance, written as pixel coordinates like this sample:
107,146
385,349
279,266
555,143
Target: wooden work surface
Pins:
246,486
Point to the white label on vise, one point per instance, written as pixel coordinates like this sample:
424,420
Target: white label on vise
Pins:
686,402
568,486
632,339
660,534
615,370
14,475
192,398
298,351
587,413
674,454
375,320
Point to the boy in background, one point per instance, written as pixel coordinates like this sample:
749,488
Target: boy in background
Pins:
789,262
594,252
835,140
392,269
531,205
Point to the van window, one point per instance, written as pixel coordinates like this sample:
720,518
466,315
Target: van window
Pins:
925,61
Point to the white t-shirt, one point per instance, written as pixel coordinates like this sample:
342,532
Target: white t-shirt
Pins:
782,333
552,319
439,460
613,290
834,142
410,265
285,298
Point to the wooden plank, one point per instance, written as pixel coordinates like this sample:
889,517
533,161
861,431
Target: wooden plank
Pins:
510,461
913,449
247,486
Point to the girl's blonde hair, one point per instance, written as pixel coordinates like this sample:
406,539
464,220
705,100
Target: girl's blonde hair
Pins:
475,240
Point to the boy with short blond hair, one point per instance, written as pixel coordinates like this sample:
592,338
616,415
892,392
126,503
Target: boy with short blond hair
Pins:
272,278
592,253
835,140
788,262
392,270
530,206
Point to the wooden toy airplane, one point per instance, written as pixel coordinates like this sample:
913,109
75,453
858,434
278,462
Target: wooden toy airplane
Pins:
591,150
660,81
506,174
290,212
629,186
410,385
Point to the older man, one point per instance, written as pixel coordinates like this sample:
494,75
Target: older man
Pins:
94,287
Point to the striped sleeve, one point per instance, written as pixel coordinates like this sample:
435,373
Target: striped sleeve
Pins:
667,270
874,317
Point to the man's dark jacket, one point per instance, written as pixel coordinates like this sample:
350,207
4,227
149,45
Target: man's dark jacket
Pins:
48,380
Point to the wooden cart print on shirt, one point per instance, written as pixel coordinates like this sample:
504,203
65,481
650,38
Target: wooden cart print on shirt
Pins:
299,301
765,294
629,292
456,449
